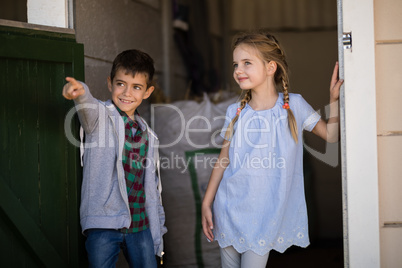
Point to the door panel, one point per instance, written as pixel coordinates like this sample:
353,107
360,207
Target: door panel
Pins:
39,169
359,135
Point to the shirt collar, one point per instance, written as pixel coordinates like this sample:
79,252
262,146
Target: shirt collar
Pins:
133,123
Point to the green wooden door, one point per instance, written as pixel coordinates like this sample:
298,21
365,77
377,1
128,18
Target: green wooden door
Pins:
39,168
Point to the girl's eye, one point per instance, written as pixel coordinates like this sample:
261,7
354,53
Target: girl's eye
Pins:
235,66
247,63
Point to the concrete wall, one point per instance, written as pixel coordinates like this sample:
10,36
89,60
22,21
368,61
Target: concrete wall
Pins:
107,28
389,127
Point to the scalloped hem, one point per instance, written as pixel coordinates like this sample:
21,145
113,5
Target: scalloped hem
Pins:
264,251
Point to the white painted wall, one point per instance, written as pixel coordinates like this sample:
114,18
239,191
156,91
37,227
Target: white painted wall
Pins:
48,12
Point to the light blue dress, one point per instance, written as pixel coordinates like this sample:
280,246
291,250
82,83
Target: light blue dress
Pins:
260,203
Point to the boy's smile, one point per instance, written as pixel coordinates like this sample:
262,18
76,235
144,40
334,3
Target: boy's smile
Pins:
128,91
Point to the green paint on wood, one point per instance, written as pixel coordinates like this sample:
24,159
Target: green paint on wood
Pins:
41,176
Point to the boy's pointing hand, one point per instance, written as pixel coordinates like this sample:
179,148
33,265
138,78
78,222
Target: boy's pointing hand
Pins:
73,89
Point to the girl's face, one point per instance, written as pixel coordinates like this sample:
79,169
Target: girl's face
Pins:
250,71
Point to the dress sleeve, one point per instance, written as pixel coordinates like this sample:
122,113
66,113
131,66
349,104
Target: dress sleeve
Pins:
230,114
309,117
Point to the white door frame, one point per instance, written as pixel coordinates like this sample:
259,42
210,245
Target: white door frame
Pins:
359,135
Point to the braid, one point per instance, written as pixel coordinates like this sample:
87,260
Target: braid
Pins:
285,90
282,75
246,99
291,117
230,130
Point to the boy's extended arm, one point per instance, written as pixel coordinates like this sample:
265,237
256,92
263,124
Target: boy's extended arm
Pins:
86,105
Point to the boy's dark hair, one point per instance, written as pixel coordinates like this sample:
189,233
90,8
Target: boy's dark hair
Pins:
134,61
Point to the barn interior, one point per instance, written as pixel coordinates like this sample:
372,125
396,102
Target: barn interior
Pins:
190,41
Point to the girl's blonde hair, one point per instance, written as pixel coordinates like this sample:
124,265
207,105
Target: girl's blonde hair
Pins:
268,47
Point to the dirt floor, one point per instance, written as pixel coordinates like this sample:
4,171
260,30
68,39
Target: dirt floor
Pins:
325,254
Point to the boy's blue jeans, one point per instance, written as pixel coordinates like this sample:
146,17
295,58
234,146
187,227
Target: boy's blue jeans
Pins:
103,247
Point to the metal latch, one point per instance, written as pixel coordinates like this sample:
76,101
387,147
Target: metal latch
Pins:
347,40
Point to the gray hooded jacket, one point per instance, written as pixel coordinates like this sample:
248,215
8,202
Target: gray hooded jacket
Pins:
104,200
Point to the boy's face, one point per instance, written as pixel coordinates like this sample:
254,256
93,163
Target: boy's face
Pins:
128,91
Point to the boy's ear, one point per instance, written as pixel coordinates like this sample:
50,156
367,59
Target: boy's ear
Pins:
271,67
148,92
109,83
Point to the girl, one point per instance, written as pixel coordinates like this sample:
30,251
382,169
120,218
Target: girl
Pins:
256,187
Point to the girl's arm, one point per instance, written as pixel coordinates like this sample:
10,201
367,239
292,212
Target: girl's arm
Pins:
213,184
329,131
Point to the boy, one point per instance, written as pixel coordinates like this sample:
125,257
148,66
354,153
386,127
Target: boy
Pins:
120,205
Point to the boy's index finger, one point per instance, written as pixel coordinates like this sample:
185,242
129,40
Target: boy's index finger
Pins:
75,85
72,89
72,81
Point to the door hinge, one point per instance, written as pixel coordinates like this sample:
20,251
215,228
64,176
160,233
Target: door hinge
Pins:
347,40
